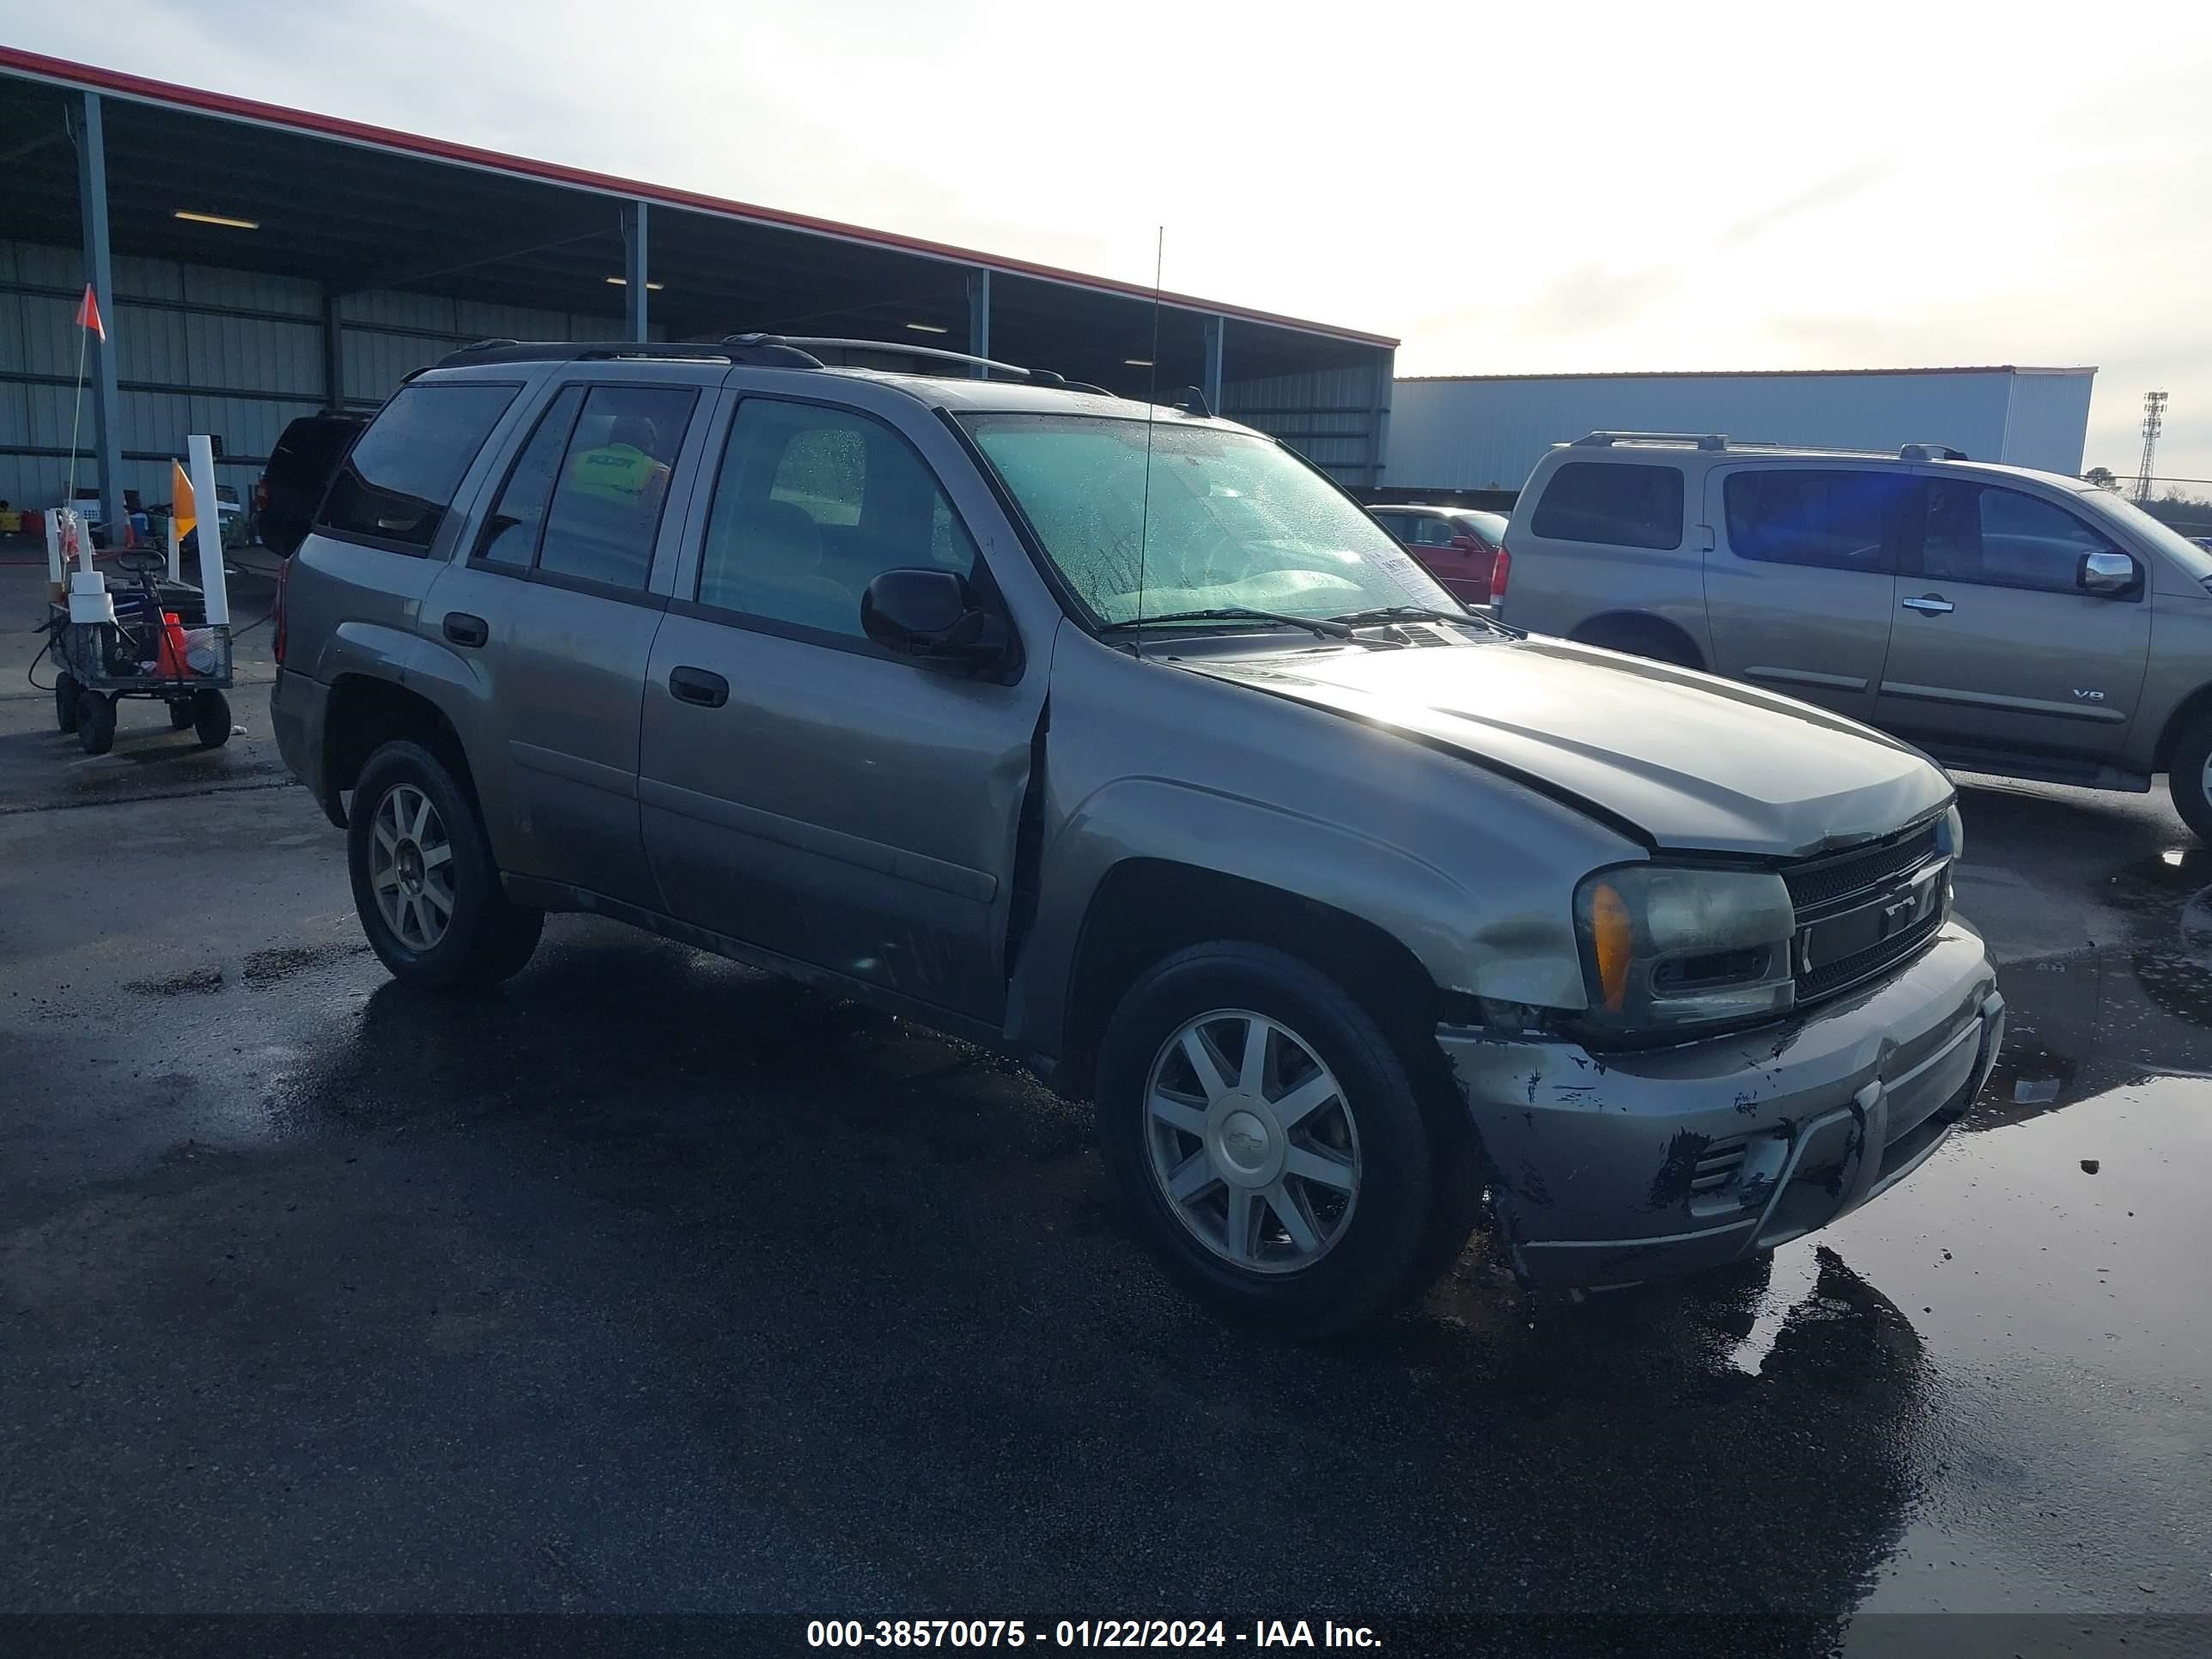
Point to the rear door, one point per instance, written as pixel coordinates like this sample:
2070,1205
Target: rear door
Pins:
555,606
1801,582
803,790
1996,646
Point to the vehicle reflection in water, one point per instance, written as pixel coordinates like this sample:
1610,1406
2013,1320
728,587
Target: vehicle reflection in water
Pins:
2085,1022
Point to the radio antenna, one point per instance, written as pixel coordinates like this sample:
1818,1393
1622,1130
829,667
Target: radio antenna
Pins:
1152,409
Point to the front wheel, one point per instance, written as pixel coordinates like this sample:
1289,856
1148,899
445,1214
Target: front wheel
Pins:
66,693
424,879
2188,777
1267,1137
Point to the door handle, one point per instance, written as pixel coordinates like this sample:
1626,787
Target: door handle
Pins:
462,628
709,690
1929,604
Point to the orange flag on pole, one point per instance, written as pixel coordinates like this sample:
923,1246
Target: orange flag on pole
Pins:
183,512
87,314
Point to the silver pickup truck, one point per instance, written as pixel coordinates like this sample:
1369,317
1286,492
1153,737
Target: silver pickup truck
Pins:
1118,738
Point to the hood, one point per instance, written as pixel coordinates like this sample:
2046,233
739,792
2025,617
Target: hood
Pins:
1692,762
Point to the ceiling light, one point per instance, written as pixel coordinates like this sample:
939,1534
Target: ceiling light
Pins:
218,219
623,281
1138,362
927,328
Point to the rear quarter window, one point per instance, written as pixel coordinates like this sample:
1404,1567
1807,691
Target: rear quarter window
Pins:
396,486
1614,503
1832,519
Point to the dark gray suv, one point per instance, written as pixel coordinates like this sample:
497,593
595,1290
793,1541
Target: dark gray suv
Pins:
1120,738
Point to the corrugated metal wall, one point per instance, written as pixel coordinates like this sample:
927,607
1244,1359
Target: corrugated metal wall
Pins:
1486,434
200,348
1337,418
2047,422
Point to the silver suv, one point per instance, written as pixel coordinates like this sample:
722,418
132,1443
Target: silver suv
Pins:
1120,738
2003,620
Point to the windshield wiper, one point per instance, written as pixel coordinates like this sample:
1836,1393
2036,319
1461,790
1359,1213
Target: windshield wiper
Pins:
1390,613
1332,627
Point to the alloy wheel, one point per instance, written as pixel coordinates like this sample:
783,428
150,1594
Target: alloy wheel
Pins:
1252,1140
410,868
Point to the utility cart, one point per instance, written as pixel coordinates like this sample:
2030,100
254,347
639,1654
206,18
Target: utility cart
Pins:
154,641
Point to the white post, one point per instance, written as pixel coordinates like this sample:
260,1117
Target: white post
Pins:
207,507
56,573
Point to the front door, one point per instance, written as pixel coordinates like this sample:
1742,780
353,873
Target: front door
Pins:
554,606
1800,579
803,791
1996,644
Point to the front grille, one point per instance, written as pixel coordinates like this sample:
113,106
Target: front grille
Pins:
1844,972
1818,883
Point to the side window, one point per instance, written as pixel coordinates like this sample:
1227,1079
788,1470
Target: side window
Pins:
397,484
1434,532
614,477
2001,537
1615,504
811,506
510,534
1397,524
1830,519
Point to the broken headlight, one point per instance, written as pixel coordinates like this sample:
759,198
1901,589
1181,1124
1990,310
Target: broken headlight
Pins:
1667,950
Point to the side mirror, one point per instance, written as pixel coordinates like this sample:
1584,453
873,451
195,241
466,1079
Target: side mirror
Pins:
2107,575
933,618
1469,544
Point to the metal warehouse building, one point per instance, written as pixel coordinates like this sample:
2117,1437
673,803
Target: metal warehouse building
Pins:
254,263
1484,432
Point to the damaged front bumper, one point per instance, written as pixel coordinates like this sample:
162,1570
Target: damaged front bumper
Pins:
1614,1168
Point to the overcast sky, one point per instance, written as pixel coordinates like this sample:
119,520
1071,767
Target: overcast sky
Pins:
1522,187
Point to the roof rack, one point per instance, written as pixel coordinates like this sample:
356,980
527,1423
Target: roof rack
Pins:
1605,439
1721,440
765,353
756,351
809,343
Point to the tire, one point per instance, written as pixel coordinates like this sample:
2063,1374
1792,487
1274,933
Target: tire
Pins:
2185,779
66,693
484,938
210,719
180,716
1369,1252
96,723
1655,641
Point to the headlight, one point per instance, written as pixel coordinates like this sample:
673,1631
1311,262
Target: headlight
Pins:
1950,835
1666,950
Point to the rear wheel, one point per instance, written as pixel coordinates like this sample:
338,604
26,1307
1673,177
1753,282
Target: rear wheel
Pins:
210,719
2189,779
180,715
96,723
423,877
1267,1137
1638,637
66,693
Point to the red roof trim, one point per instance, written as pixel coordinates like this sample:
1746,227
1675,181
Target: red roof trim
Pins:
1757,373
91,77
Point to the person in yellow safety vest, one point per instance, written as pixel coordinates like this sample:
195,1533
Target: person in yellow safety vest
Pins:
623,470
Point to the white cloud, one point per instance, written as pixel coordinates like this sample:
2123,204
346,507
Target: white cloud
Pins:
1511,188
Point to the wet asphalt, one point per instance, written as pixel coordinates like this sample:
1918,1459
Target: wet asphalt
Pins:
648,1283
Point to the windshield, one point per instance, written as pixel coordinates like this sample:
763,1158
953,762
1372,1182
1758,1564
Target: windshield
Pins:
1233,521
2115,509
1491,526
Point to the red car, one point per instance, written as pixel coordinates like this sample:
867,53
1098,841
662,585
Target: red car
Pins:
1457,545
